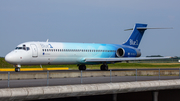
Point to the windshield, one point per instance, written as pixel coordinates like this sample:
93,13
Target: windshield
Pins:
22,48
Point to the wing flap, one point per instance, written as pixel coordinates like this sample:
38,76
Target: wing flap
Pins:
122,59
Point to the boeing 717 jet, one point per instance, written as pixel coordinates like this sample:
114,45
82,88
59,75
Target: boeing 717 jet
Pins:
82,54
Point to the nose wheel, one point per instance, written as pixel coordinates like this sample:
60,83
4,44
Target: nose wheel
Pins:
17,69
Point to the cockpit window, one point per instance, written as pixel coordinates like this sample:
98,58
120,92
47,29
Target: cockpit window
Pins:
27,48
18,47
22,48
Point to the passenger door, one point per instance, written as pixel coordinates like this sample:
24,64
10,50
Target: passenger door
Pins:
34,50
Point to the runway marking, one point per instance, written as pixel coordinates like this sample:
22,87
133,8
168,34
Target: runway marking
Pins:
33,69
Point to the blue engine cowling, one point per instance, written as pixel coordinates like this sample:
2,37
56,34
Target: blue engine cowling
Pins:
128,52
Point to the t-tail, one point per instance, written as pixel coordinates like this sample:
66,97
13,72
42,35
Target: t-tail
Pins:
136,36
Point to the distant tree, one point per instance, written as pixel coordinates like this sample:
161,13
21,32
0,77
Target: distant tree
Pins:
175,57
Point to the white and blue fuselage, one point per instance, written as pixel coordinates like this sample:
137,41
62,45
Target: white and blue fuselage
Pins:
35,53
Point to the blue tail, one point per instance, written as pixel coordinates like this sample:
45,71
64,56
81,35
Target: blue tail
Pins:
136,36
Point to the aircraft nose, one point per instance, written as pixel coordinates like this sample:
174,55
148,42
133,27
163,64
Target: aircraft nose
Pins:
10,58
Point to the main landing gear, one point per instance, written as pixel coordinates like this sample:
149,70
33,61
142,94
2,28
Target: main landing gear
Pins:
82,67
104,67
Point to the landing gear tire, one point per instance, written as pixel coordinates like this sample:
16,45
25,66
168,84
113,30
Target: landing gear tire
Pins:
104,67
82,67
17,69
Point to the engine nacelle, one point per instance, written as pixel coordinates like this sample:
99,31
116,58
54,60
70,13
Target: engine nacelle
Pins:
120,52
128,52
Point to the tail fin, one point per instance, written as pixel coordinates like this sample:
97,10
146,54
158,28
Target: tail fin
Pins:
136,36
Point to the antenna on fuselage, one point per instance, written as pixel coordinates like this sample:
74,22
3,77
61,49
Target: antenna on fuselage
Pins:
47,40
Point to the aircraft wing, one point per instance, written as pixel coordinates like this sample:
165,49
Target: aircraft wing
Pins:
123,59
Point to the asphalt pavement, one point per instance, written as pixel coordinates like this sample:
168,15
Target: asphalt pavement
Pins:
73,81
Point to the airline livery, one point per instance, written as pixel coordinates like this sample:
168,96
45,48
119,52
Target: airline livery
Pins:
82,54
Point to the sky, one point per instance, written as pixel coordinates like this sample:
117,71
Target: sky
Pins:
90,21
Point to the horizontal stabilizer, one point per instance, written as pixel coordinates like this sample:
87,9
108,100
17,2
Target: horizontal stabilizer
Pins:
151,28
146,28
128,29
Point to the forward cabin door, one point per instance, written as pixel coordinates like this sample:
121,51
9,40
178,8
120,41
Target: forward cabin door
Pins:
34,50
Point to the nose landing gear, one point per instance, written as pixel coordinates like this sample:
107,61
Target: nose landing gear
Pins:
17,69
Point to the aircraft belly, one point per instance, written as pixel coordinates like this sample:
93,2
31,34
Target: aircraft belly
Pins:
65,60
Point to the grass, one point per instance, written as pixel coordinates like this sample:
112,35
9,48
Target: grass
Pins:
4,64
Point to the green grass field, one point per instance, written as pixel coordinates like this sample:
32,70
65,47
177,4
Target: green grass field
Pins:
4,64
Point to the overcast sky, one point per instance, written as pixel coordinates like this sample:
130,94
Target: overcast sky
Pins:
90,21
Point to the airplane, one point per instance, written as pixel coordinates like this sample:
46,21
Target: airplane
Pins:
82,54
